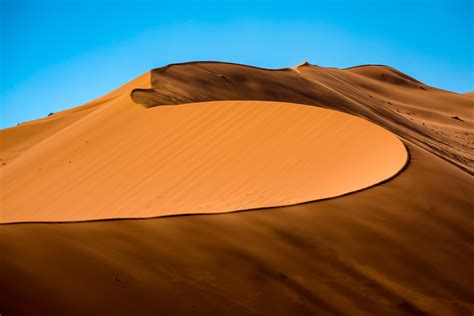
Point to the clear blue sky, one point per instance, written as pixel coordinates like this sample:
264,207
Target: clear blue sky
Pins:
59,54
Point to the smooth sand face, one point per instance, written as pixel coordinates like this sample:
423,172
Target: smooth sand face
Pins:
124,161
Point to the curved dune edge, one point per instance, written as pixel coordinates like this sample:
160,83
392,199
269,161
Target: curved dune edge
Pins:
124,161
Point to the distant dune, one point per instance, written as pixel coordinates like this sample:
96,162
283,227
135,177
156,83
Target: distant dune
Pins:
395,236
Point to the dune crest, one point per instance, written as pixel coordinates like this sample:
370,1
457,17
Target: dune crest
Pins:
125,161
405,106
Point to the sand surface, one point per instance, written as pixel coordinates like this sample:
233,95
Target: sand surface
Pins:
401,247
125,161
416,112
18,139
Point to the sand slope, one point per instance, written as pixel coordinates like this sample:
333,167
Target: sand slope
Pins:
401,248
125,161
403,105
18,139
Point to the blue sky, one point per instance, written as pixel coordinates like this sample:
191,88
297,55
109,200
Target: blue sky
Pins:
60,54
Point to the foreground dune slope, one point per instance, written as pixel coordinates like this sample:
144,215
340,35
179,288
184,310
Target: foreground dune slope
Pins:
125,161
439,121
400,248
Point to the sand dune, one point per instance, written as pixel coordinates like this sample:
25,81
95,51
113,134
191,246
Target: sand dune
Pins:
403,246
125,161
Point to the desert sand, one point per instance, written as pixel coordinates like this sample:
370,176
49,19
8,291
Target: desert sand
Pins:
18,139
403,246
381,94
125,161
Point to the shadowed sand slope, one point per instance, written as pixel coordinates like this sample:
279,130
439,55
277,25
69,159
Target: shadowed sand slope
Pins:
125,161
403,105
400,248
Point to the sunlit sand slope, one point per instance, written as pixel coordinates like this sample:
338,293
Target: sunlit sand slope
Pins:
18,139
124,161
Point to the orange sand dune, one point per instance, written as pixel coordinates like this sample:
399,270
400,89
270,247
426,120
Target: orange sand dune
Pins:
402,247
126,161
